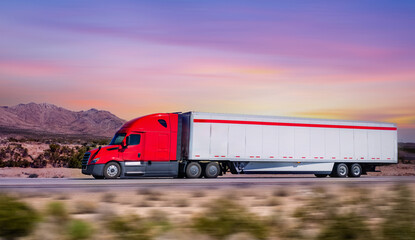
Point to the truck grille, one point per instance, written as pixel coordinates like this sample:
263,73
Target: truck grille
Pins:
85,159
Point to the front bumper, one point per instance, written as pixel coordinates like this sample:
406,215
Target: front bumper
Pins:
94,169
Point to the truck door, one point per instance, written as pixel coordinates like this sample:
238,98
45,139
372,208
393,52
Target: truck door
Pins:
160,164
132,154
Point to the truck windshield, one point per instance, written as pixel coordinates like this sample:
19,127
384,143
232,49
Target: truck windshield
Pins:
117,139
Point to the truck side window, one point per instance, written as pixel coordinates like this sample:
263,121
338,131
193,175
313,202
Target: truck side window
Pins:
135,139
163,122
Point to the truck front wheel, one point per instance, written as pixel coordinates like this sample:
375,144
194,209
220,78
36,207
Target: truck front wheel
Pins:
193,170
212,170
112,170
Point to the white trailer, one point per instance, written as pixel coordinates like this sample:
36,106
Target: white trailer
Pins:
268,144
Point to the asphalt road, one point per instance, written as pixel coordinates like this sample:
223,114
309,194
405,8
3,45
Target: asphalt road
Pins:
87,184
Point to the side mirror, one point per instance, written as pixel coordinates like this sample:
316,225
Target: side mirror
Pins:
127,141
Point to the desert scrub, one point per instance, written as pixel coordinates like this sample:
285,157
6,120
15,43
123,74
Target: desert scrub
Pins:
79,229
318,207
399,222
85,207
280,193
57,211
108,197
224,218
16,218
137,228
345,227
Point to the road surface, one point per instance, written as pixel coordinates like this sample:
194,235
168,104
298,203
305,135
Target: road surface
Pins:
54,184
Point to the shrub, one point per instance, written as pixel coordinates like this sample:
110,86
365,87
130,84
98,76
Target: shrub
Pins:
16,218
347,227
33,175
224,217
399,222
130,227
58,211
86,207
78,229
280,193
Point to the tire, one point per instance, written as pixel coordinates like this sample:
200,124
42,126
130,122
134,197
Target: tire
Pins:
98,177
355,170
193,170
321,175
341,170
212,170
112,170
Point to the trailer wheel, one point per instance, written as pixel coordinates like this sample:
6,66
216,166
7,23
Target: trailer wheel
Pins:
112,170
355,170
321,175
98,177
193,170
212,170
341,170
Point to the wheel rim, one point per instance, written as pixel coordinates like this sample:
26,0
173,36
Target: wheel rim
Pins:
112,171
194,170
212,170
356,170
342,170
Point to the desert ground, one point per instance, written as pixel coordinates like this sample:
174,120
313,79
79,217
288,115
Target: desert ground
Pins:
216,212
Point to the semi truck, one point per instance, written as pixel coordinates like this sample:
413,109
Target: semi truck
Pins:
197,144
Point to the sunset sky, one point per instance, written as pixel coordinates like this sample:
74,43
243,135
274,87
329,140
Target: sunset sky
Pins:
326,59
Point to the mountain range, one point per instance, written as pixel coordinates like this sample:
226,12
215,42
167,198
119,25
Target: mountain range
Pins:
48,118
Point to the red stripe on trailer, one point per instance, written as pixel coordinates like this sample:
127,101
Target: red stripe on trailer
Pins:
237,156
251,156
350,158
292,124
284,157
222,156
345,158
333,158
316,157
197,155
271,156
302,157
389,158
216,156
257,156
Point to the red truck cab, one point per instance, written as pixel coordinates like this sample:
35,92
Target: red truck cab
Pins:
145,146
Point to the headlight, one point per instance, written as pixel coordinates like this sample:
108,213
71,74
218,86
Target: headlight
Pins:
95,160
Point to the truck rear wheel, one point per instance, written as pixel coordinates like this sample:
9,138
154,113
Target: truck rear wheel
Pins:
340,170
112,170
212,170
355,170
193,170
